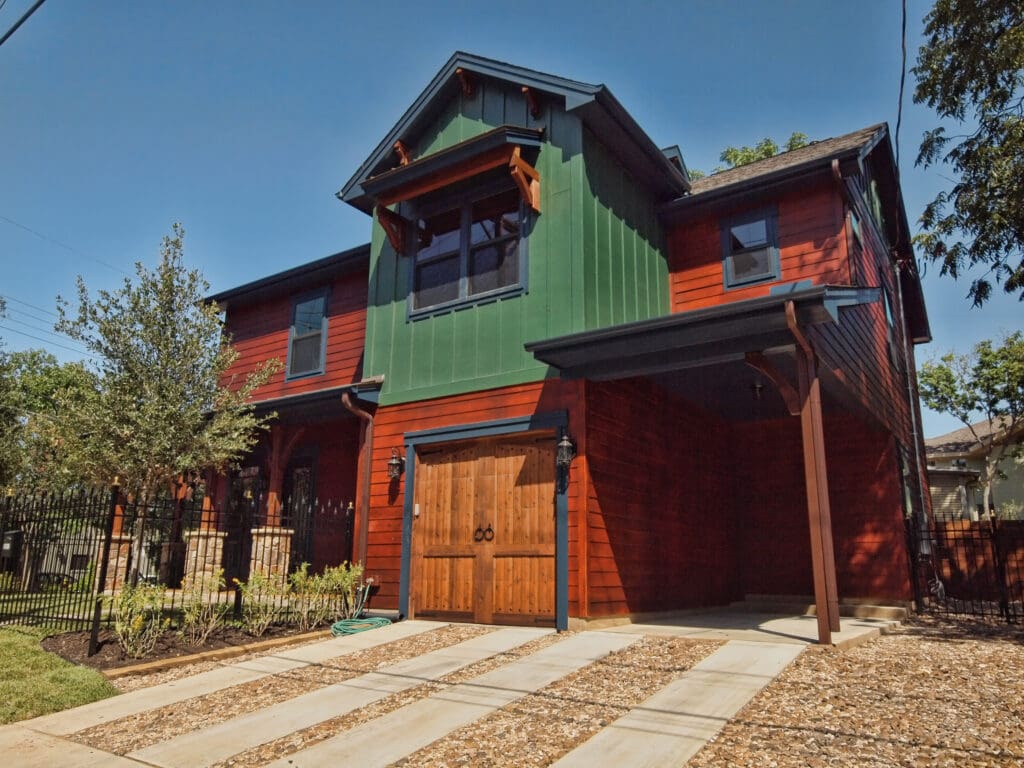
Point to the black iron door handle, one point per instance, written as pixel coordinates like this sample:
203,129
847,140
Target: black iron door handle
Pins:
478,534
489,533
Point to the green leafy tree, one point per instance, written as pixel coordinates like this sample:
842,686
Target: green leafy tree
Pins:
9,424
162,407
970,72
734,157
982,388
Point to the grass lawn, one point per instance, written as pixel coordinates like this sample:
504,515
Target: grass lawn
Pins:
34,682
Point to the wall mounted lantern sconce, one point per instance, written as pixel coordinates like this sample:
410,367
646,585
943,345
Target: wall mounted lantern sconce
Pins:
396,465
565,452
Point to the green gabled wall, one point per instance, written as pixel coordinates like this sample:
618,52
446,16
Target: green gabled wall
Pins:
579,274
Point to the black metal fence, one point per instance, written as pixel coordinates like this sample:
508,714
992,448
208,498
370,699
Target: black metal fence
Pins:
969,567
63,557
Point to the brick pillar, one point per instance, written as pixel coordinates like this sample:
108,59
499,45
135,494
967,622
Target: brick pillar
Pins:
117,562
204,553
271,550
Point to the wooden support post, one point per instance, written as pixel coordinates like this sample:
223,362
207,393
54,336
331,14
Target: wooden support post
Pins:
819,516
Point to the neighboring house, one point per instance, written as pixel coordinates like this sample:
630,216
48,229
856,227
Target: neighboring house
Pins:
729,359
956,461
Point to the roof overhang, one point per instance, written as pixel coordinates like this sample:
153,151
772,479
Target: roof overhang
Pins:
316,405
699,338
314,272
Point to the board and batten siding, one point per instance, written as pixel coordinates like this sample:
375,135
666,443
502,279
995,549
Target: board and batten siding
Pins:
260,331
594,258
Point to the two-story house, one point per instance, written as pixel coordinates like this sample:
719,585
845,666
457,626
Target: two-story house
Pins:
565,382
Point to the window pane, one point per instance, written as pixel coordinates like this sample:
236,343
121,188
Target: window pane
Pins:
439,234
305,355
752,264
750,235
494,266
436,282
309,315
494,217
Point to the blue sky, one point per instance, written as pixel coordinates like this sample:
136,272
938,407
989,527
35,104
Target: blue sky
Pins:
242,119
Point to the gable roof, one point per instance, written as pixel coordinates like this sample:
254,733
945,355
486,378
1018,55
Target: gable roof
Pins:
962,441
594,104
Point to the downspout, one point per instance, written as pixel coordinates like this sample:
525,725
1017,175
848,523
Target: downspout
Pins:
364,472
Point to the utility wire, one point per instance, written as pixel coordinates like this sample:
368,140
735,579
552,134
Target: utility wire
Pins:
20,21
37,329
41,236
26,304
16,311
50,343
903,78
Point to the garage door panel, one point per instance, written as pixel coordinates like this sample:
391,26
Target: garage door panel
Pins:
446,587
524,586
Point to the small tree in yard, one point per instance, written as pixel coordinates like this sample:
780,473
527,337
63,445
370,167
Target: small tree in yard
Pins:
162,407
986,386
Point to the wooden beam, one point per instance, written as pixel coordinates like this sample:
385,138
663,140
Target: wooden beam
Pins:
760,362
819,514
404,157
464,170
526,178
394,227
531,101
467,82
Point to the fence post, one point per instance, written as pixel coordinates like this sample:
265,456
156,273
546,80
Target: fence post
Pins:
94,635
999,565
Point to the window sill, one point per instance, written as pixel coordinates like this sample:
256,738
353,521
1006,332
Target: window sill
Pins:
299,376
470,301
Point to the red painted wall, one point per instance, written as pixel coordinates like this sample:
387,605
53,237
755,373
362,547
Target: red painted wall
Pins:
812,246
259,332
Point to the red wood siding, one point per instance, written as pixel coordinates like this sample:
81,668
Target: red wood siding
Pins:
259,332
658,505
812,246
384,539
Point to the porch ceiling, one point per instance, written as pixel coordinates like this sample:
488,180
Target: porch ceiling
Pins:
701,355
318,406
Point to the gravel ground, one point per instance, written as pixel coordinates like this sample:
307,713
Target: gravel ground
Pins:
935,693
153,726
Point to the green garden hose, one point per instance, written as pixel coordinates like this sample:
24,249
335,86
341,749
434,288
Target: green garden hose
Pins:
351,626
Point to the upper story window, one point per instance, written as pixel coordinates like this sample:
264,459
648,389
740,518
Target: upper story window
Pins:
307,338
750,249
468,250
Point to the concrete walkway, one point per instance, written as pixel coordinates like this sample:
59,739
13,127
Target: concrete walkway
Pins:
667,728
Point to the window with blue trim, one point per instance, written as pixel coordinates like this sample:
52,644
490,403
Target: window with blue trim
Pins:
467,251
750,249
307,338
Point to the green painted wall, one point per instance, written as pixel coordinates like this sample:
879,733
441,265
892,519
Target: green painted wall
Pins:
594,259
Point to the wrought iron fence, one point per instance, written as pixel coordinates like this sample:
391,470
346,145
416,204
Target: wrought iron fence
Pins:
970,567
64,557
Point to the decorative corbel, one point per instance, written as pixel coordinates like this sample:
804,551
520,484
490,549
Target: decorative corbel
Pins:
531,100
760,362
394,227
403,152
466,81
526,178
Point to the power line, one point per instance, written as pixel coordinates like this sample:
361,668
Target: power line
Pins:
903,79
49,343
75,251
21,21
55,334
17,311
26,304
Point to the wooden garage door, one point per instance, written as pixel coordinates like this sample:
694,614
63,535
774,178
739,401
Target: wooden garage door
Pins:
483,544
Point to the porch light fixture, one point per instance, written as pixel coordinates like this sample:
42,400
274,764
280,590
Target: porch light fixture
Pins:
565,452
396,465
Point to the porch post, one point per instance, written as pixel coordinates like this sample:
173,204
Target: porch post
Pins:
819,514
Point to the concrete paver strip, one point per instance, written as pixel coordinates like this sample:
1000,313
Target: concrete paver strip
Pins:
672,725
402,732
24,748
71,721
223,740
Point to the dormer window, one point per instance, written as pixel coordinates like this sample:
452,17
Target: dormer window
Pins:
468,251
307,337
750,249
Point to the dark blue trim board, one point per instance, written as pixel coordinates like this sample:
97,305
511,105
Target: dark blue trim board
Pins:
552,420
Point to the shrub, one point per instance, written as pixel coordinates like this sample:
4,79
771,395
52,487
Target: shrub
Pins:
344,584
263,601
138,620
202,612
327,597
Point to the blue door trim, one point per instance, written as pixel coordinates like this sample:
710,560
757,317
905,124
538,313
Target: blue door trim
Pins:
550,420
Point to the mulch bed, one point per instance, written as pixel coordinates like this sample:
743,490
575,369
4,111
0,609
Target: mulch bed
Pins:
74,646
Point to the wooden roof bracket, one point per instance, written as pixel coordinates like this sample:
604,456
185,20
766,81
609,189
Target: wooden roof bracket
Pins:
466,82
404,156
760,362
526,178
394,227
531,101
